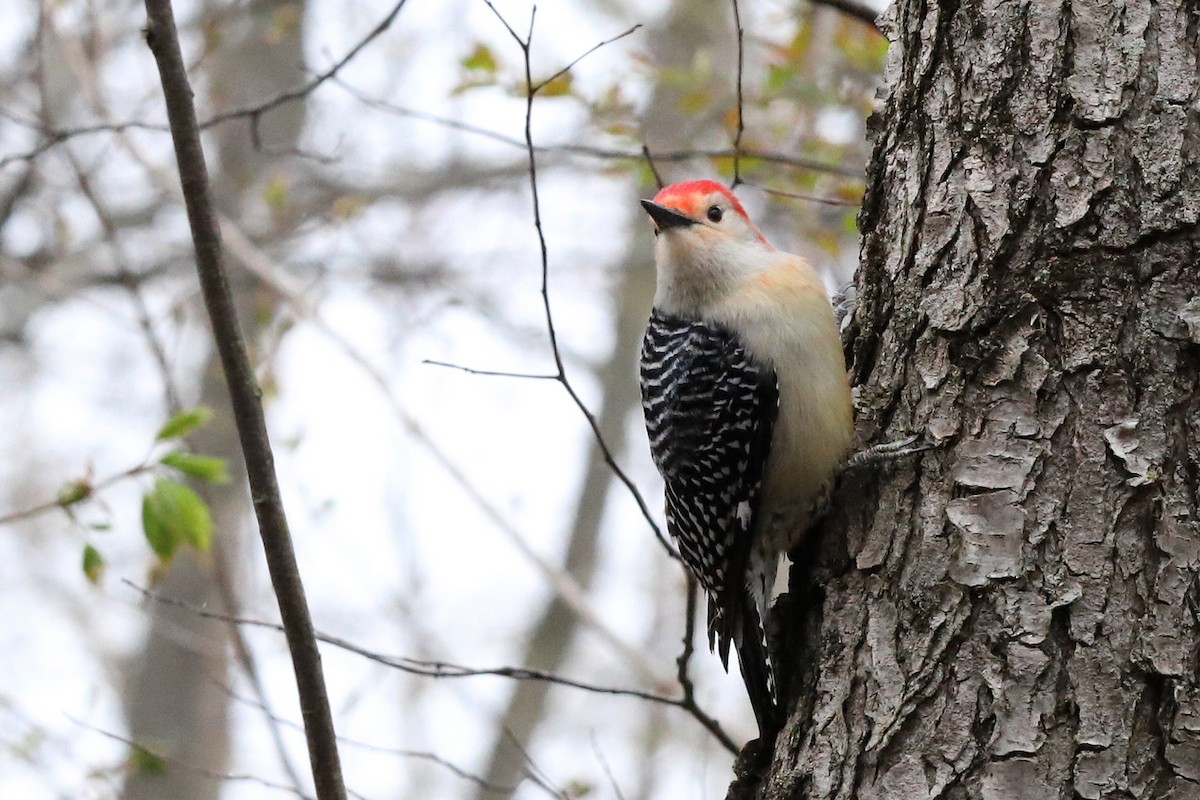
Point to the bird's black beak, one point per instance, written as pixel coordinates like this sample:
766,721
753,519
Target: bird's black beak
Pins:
665,217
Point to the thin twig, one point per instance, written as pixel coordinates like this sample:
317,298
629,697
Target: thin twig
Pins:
182,764
535,376
130,282
245,658
244,395
852,8
741,122
812,198
603,153
531,92
55,136
562,584
608,773
255,112
650,163
534,772
689,637
415,666
534,89
403,752
441,669
688,701
89,487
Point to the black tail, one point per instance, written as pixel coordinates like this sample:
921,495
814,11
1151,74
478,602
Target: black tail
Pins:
743,626
758,673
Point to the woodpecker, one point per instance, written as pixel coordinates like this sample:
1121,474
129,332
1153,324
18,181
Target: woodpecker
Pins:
747,404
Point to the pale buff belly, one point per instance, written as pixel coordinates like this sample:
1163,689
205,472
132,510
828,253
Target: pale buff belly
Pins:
809,443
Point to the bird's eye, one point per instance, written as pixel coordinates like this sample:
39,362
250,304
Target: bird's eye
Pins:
715,213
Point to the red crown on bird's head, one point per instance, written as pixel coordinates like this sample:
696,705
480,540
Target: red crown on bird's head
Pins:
689,196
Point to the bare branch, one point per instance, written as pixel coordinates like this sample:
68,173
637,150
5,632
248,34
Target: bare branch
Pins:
562,584
688,701
84,488
653,169
244,395
537,88
180,763
256,111
608,773
852,8
516,37
741,119
245,658
552,333
534,376
812,198
441,669
604,153
535,773
414,666
403,752
131,283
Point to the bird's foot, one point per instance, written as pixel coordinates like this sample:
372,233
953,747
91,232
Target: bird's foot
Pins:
886,451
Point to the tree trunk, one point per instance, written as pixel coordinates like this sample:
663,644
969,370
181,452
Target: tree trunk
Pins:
1013,614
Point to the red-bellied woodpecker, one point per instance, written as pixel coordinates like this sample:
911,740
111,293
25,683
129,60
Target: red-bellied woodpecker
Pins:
747,405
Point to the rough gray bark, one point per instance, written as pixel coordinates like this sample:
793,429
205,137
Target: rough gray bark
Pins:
1014,614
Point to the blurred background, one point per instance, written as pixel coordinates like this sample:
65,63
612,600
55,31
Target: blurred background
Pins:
377,219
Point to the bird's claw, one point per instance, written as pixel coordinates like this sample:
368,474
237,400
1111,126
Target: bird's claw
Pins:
886,451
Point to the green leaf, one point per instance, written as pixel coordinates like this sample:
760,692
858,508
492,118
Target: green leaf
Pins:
557,86
184,423
481,59
205,468
159,534
778,76
275,193
74,492
145,761
172,514
694,100
93,564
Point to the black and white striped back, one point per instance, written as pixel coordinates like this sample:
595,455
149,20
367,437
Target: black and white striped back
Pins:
710,409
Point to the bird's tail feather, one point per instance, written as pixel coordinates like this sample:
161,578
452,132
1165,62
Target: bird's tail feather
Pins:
754,656
742,623
757,671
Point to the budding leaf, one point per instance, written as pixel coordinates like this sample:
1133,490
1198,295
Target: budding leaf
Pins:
172,514
93,564
146,762
205,468
184,423
74,492
481,59
557,86
275,194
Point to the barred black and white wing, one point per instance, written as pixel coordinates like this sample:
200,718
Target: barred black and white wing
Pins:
710,409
